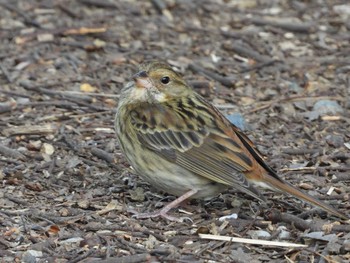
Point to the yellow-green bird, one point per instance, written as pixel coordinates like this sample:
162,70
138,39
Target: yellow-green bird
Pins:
181,144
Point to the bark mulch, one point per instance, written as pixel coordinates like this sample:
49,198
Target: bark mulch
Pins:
279,68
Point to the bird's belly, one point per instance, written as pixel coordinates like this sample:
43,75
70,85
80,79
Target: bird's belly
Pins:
173,179
165,175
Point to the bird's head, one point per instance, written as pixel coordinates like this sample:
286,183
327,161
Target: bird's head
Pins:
156,82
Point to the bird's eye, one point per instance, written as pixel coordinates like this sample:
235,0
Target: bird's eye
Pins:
165,80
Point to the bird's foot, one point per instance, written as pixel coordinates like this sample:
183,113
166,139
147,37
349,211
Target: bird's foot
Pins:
164,211
159,213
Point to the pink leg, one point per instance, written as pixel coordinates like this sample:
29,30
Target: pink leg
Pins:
163,212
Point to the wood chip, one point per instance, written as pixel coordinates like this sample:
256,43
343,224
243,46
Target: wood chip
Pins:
31,130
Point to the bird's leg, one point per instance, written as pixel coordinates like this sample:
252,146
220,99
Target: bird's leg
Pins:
163,211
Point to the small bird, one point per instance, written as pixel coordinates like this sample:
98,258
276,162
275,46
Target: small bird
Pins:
181,144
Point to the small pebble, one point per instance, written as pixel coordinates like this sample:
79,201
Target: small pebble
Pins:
324,107
335,140
31,256
259,234
346,246
284,234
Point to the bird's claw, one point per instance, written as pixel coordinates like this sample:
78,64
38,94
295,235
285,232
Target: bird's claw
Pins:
158,213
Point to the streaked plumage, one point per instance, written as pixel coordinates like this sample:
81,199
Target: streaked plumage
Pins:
179,142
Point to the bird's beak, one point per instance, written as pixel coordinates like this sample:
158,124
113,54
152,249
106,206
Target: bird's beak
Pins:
142,80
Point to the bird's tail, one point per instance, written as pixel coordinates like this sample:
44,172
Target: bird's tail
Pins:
288,188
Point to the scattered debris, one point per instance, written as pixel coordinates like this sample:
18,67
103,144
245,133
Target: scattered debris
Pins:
277,69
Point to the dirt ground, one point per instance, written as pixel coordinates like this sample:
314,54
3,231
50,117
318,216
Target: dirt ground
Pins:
280,68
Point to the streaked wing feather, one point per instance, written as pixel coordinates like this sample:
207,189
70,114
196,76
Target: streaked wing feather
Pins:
202,149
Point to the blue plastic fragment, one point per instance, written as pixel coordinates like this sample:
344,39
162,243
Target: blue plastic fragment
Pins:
238,120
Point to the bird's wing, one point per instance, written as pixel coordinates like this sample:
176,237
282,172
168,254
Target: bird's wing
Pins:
198,138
